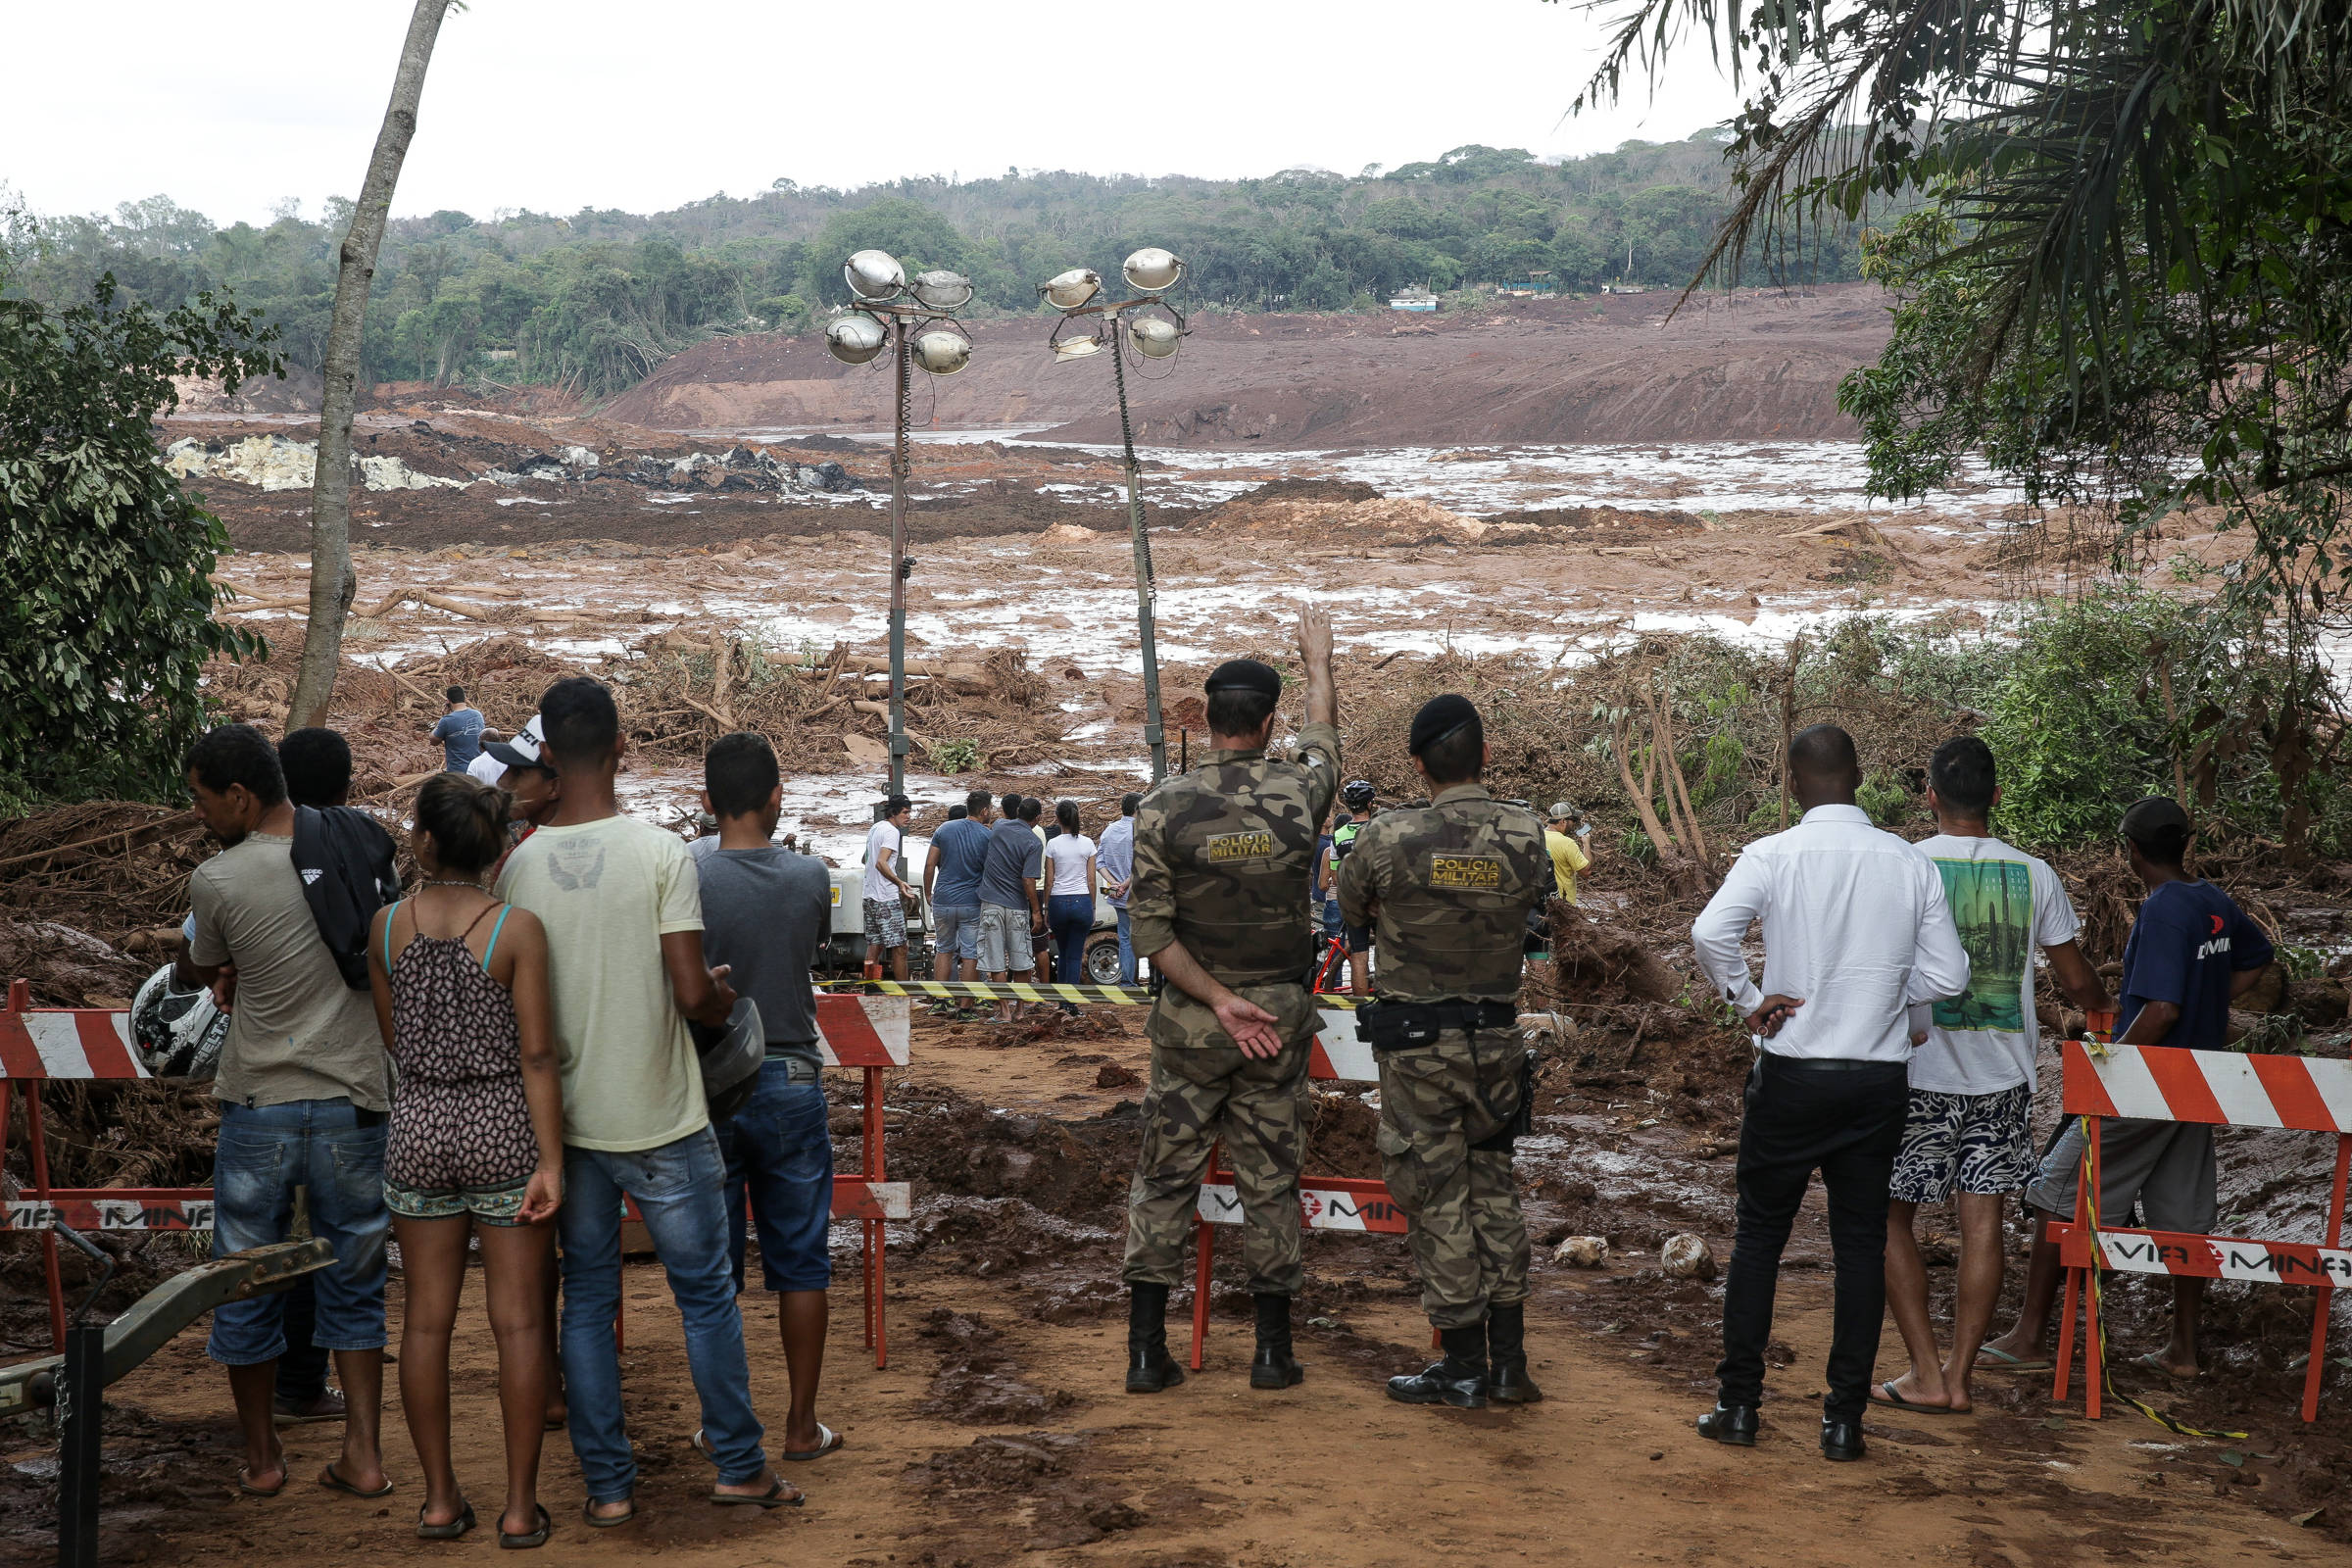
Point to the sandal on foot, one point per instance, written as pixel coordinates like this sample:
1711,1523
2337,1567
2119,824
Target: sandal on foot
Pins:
450,1531
333,1479
535,1538
246,1486
2154,1363
1884,1395
772,1497
2004,1361
828,1442
601,1521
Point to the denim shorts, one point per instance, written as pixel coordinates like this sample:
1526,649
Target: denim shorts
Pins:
779,1155
956,930
337,1152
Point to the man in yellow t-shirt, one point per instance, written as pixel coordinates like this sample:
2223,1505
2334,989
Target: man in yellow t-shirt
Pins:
1562,831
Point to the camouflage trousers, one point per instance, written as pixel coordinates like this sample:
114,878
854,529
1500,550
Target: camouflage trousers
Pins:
1202,1089
1460,1203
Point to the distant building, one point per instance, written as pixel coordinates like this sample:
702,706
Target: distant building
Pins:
1414,299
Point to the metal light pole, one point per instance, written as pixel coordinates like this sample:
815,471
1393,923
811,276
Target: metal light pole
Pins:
1154,272
889,311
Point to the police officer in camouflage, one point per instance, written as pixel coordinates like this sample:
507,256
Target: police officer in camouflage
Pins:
1224,858
1449,886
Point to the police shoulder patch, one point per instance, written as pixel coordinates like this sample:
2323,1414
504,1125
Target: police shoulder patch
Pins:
1481,873
1224,847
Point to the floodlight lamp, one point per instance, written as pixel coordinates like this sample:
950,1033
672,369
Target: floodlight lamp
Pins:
943,352
1069,290
1155,338
874,275
1075,348
855,338
941,291
1151,270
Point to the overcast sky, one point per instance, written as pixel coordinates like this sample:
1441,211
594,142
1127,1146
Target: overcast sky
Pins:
235,107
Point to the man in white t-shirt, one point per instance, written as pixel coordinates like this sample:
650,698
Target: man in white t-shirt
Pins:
886,888
1972,1074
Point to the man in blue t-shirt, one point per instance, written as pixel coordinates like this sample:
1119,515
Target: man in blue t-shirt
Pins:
2191,951
952,892
460,733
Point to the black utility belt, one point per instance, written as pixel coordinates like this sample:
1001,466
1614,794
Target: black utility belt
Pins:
1410,1025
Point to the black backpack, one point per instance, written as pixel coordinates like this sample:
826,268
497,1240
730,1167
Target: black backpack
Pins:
344,858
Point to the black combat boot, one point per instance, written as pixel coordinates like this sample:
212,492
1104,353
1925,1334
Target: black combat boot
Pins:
1460,1380
1507,1382
1150,1366
1275,1368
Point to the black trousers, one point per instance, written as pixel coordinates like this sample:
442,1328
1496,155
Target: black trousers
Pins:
1844,1120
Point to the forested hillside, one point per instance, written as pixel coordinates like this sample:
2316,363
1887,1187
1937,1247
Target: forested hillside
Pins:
594,301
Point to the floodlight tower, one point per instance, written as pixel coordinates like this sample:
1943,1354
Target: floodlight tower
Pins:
917,319
1152,272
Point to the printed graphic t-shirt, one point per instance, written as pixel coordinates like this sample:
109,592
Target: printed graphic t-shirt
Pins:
608,892
2007,904
2189,940
461,737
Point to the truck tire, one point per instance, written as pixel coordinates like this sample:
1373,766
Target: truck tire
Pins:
1103,961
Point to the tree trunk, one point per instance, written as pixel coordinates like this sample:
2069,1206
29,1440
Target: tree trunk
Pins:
332,583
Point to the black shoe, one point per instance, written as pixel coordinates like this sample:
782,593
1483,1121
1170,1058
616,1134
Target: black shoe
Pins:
1150,1366
1507,1382
1275,1368
1840,1439
1734,1423
1460,1380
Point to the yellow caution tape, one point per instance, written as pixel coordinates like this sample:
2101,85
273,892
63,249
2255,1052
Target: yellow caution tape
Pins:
1022,991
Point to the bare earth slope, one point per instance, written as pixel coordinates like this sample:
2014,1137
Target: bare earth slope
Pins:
1763,366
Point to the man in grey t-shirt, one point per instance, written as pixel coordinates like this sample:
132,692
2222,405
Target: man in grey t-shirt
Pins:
766,910
302,1087
1009,907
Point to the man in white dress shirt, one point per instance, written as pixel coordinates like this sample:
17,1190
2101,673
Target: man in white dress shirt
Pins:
1856,929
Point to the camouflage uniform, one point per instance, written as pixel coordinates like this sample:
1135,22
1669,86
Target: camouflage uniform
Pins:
1450,886
1224,858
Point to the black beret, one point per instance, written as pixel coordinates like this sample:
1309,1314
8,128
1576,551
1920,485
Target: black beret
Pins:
2154,819
1245,675
1439,718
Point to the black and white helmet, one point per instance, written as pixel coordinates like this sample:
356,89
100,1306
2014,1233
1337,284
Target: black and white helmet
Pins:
1357,796
178,1032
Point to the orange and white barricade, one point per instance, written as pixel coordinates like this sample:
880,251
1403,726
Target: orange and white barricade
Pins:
1339,1054
2224,1088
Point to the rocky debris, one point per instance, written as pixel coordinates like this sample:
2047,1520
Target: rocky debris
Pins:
277,463
1375,520
1583,1251
978,1383
64,967
1687,1258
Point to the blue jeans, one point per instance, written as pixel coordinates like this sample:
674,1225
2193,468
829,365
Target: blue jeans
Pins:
679,1189
1126,950
779,1151
338,1151
1069,916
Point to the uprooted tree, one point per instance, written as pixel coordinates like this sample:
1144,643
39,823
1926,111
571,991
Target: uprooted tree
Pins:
108,620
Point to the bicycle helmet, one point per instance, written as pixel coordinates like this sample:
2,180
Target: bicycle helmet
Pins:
1357,796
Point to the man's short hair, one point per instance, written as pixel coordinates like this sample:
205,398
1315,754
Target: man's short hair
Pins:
1823,750
2159,828
1457,758
977,802
1962,774
233,754
1128,803
1239,711
958,813
1011,806
456,693
740,773
316,764
580,720
1031,807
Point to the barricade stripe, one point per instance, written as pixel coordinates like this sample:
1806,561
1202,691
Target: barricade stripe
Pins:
2291,1090
18,1057
2331,1080
2084,1089
58,1041
106,1044
2239,1096
2187,1094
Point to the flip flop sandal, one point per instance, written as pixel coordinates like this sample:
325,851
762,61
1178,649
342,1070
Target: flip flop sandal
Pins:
246,1486
2003,1361
829,1440
598,1521
1884,1395
2150,1361
524,1543
279,1415
334,1481
450,1531
772,1497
